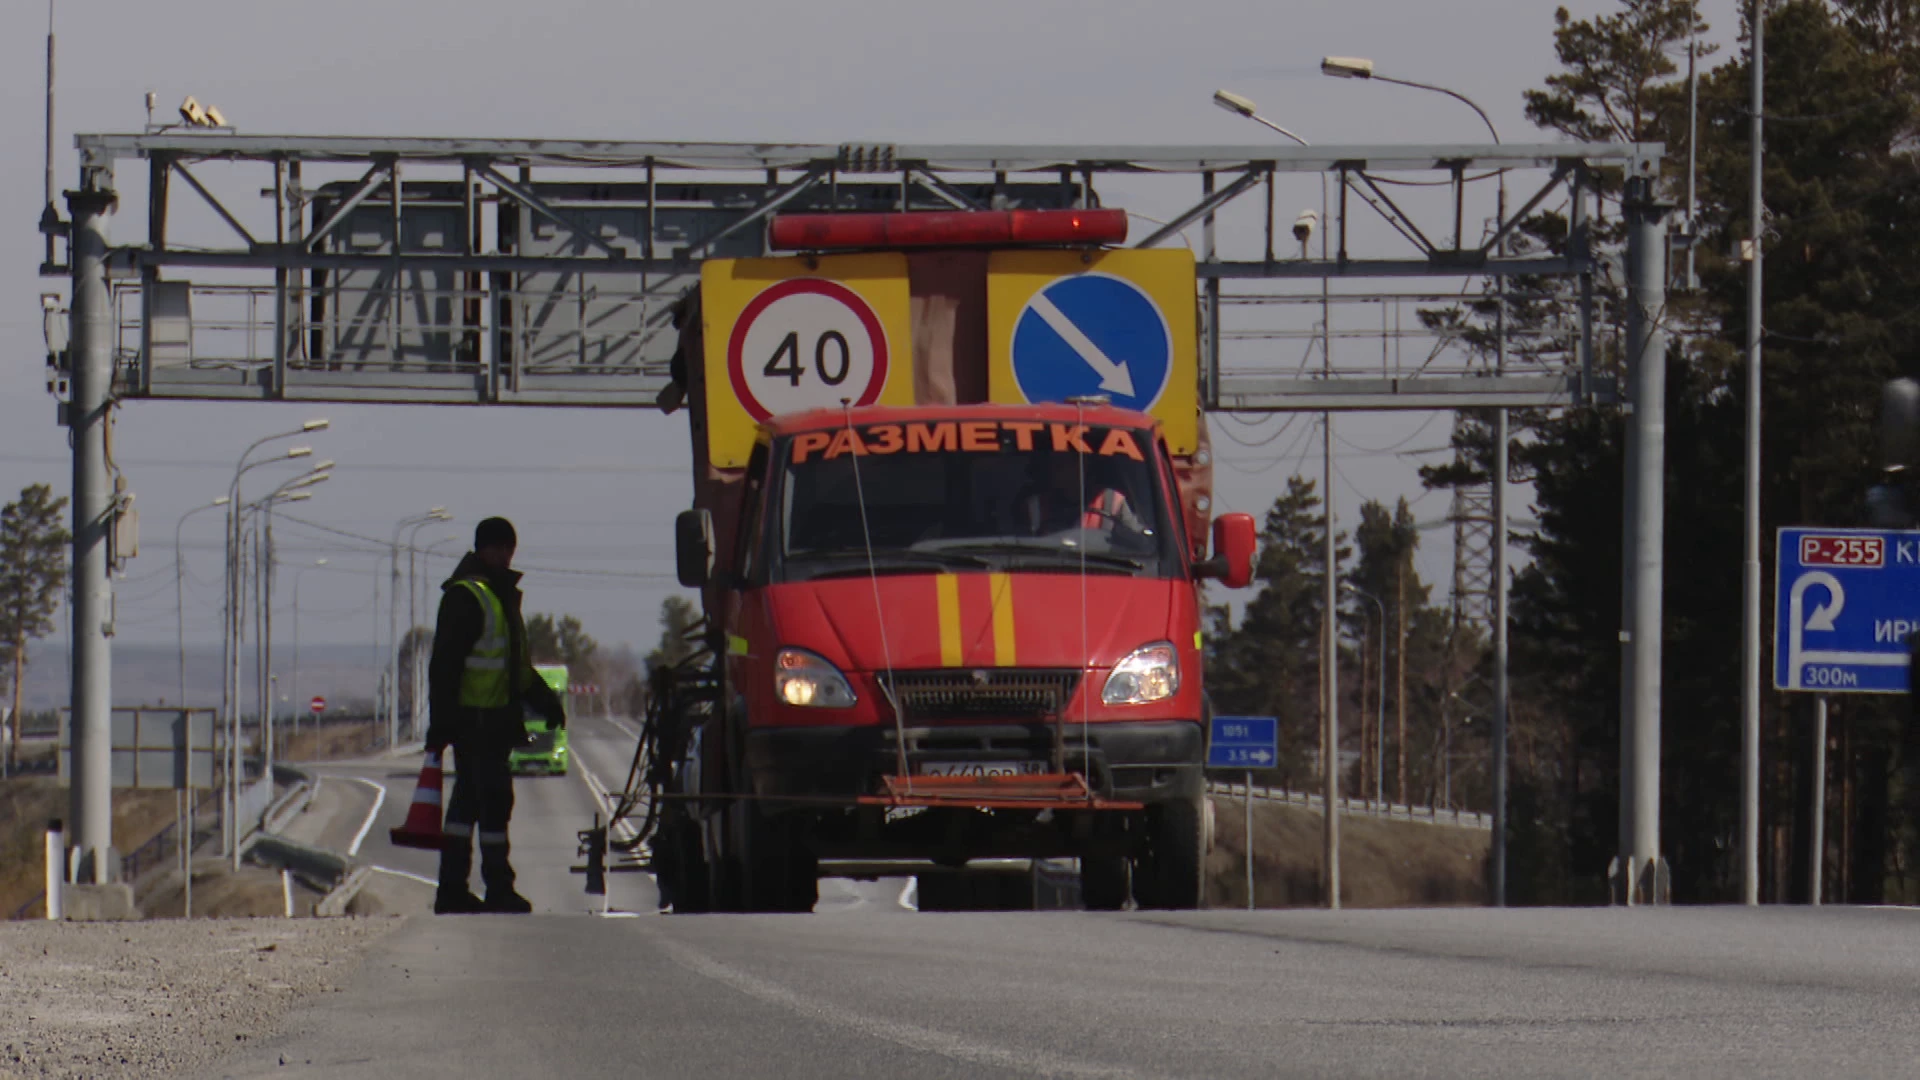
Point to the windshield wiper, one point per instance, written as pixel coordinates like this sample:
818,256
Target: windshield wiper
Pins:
1049,553
854,563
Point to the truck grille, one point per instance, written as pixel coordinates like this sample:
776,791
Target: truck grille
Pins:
984,693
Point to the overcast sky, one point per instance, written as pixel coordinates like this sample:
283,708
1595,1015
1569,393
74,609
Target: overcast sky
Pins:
596,489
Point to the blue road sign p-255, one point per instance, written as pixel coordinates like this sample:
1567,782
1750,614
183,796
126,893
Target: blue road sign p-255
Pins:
1244,742
1845,603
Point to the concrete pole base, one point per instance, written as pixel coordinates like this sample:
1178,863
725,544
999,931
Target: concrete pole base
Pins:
1653,884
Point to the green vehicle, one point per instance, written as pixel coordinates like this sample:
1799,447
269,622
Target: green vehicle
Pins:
545,750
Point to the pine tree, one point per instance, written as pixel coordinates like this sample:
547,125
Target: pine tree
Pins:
33,572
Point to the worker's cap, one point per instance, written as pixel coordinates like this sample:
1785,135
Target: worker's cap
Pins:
494,532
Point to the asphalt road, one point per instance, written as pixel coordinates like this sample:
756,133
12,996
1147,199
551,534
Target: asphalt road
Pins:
1698,992
358,803
865,988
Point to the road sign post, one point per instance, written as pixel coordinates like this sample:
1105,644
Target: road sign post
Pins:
1249,743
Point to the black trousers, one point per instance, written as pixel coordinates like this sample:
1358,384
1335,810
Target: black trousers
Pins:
481,807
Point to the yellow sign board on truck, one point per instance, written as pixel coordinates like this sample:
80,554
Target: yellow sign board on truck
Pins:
1064,324
787,334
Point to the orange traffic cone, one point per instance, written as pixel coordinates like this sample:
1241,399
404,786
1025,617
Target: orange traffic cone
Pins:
422,829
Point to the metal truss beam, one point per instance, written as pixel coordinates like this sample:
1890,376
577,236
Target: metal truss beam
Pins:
288,257
1279,394
1641,159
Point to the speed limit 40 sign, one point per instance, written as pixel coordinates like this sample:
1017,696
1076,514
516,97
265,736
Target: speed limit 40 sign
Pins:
784,335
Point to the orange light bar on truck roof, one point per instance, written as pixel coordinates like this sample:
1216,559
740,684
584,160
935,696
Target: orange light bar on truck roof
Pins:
957,228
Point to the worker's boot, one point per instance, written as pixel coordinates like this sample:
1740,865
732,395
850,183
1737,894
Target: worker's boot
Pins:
456,865
497,872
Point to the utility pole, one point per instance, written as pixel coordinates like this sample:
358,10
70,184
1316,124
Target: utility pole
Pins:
1500,596
1750,563
1400,676
1330,685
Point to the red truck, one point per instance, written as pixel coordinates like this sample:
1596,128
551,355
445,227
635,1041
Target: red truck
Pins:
943,624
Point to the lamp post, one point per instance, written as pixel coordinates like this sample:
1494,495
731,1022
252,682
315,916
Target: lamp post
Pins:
180,592
266,564
392,665
1349,67
416,663
1380,693
230,647
1330,664
293,689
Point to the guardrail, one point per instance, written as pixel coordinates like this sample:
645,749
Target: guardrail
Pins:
1466,819
163,848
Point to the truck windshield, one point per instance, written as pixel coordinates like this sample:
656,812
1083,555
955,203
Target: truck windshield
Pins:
971,494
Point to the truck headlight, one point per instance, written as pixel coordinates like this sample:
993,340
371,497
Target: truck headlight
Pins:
1149,673
805,679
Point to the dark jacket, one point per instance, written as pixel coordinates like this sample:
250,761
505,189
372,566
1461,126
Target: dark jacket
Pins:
459,626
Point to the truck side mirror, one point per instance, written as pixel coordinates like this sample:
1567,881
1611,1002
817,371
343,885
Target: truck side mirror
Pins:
1900,424
693,547
1234,539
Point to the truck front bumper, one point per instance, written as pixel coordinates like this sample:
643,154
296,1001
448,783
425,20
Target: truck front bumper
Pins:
1142,760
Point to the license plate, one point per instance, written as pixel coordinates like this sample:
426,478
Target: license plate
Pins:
982,769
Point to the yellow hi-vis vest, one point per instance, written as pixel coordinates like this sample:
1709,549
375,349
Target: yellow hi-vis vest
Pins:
485,683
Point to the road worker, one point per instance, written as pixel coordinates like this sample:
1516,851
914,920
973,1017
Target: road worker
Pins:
480,680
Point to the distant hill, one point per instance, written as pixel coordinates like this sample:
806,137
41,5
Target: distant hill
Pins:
150,674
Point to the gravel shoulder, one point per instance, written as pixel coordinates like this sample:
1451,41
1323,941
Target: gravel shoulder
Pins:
158,998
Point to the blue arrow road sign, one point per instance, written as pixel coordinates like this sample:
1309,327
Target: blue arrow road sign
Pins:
1244,742
1845,602
1092,334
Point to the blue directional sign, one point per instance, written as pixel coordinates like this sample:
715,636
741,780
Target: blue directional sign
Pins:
1845,603
1244,742
1092,334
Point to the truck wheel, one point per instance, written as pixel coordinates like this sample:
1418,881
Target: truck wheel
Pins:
783,872
1169,874
1103,882
726,870
683,873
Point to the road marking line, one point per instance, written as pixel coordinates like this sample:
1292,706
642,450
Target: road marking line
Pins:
379,800
632,732
910,894
404,874
622,829
946,1044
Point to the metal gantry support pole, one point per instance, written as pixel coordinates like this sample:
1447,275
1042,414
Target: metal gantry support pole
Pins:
91,624
1642,869
1750,562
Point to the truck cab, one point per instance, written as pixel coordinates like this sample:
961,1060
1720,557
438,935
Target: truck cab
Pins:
953,612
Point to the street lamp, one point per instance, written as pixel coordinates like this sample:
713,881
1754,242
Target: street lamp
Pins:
294,688
416,662
392,695
1330,675
179,590
1350,67
1380,693
230,647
